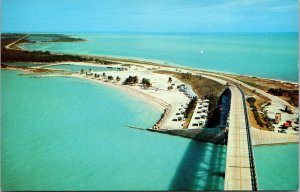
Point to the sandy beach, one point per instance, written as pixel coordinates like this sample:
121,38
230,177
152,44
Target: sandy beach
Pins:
170,101
158,94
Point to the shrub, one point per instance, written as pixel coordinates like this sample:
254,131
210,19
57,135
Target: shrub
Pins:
146,82
251,101
191,106
131,80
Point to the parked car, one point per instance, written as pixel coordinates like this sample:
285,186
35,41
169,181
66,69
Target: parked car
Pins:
282,131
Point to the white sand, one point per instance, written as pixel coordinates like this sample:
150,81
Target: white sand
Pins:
172,100
157,94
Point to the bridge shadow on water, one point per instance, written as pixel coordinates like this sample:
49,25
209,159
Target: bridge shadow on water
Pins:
201,168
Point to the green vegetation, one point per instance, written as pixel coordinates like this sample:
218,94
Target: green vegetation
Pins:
131,80
277,92
96,75
52,38
126,65
170,88
251,101
288,91
293,95
186,76
213,117
18,55
191,106
146,83
189,112
252,84
202,86
12,35
118,79
110,78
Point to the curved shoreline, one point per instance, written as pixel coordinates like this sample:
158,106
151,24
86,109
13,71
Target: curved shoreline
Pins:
145,64
155,62
160,104
269,137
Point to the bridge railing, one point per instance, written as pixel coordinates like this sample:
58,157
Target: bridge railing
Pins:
250,147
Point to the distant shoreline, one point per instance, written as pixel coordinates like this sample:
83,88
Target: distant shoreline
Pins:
138,60
108,61
109,58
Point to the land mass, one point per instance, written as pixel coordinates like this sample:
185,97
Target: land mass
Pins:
157,87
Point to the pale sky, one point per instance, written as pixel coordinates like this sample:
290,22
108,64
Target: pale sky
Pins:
149,15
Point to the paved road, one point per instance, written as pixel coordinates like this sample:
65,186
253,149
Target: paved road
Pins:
8,46
275,99
238,173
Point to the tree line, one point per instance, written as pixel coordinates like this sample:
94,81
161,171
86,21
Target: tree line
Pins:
132,80
12,55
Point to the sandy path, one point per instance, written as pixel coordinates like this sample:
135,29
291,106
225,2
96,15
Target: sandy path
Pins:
8,46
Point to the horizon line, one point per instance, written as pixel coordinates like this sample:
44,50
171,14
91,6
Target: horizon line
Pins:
145,32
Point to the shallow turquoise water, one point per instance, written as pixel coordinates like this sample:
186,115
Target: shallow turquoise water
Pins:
76,68
271,55
277,167
63,134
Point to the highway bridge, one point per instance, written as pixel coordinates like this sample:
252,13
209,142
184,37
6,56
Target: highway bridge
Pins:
240,171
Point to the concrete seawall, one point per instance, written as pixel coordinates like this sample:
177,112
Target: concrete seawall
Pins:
262,137
212,135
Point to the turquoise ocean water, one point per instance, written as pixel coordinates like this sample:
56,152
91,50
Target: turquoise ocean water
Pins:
270,55
277,167
62,133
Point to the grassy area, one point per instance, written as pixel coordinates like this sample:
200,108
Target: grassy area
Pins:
260,99
126,65
254,122
265,84
254,84
188,120
290,90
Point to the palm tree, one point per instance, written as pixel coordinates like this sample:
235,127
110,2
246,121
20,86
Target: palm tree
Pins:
146,82
118,78
170,80
135,79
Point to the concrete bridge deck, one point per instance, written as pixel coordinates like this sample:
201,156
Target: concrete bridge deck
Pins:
240,168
